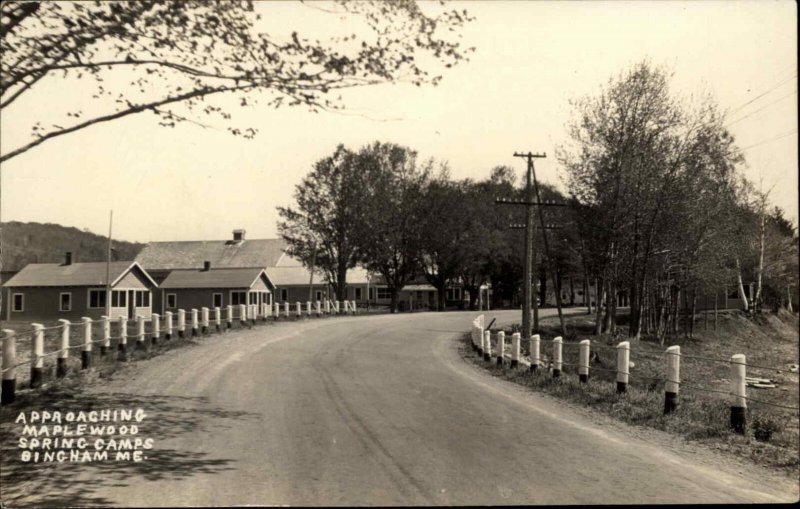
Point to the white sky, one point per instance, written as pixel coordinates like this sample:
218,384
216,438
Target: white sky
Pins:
531,58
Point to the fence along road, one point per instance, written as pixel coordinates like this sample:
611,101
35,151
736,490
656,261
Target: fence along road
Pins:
376,410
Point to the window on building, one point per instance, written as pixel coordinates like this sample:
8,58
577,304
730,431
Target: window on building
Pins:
238,298
253,298
454,294
384,293
216,300
18,302
142,298
172,301
319,294
358,293
284,294
97,299
65,301
119,298
371,293
268,298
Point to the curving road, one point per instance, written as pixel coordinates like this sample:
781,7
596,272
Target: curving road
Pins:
377,410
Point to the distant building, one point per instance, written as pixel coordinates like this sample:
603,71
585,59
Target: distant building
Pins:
215,287
50,291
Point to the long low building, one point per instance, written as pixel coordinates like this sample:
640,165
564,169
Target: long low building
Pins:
215,287
50,291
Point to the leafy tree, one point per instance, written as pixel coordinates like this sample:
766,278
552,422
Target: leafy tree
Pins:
321,230
445,225
390,240
652,172
177,56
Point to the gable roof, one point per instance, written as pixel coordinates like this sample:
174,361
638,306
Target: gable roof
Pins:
214,278
76,274
221,253
299,275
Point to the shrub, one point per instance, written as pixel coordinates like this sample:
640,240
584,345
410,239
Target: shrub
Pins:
763,427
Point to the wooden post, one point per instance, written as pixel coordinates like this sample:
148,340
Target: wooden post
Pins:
86,351
353,307
204,316
535,341
276,310
123,338
336,307
318,306
181,323
106,344
716,307
242,315
265,311
623,365
478,334
672,384
168,324
63,354
738,392
140,332
515,339
558,344
501,347
155,333
327,306
229,316
308,308
195,322
583,360
286,309
37,355
9,388
487,345
253,313
218,319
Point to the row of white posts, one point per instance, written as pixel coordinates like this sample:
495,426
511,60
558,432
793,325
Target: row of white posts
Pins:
482,343
199,323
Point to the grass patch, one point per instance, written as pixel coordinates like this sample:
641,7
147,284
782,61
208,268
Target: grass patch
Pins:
771,438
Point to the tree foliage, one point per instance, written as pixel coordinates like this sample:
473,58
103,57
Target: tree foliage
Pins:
177,56
323,228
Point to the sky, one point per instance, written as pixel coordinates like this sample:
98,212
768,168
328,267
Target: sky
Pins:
530,59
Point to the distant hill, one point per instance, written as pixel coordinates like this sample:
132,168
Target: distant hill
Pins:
25,243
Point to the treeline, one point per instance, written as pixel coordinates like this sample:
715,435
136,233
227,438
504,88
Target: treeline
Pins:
25,243
659,212
663,211
404,219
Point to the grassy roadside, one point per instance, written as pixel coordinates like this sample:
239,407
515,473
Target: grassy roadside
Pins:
772,437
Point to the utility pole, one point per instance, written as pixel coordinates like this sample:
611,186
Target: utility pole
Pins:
530,248
108,266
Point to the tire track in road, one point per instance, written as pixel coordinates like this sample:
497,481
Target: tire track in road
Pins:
400,476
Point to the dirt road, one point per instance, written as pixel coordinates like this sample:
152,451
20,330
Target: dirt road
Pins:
377,410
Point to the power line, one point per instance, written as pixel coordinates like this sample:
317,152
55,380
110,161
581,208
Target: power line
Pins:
774,138
793,92
762,94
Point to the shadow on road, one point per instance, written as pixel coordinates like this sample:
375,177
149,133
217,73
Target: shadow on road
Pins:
80,484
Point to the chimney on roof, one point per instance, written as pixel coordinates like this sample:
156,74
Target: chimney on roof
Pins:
206,265
238,235
68,258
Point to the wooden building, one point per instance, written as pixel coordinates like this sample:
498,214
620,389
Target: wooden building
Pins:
47,292
215,287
